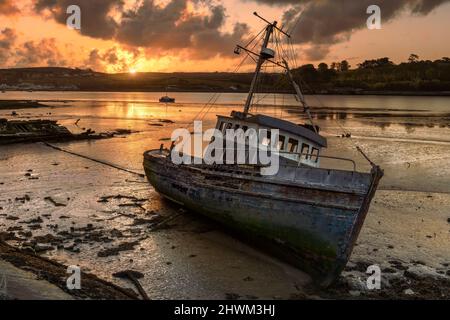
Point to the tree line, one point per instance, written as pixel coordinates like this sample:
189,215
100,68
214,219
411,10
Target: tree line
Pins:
377,75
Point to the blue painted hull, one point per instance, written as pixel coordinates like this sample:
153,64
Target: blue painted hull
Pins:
312,220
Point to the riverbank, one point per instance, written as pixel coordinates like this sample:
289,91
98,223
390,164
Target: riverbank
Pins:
81,212
49,281
344,92
21,104
187,243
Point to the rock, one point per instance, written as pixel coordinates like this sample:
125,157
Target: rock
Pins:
48,238
42,247
408,292
23,199
34,221
127,273
15,228
418,272
354,293
125,246
56,204
26,234
166,121
389,270
8,236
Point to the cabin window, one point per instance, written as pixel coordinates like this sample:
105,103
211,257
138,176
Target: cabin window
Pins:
315,154
293,145
305,151
281,141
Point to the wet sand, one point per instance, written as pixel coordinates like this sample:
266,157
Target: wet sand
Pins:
76,211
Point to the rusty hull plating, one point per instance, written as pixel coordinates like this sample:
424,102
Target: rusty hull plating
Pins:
310,217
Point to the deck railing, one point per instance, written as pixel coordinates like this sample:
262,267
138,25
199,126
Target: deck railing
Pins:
318,156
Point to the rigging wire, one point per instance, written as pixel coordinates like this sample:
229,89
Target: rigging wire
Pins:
213,99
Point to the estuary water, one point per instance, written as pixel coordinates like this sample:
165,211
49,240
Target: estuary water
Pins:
409,137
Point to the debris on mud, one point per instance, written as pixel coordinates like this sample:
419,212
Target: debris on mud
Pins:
125,246
56,273
133,276
19,131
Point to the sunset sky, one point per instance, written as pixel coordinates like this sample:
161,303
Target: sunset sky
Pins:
200,35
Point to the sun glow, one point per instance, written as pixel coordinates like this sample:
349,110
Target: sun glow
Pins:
132,71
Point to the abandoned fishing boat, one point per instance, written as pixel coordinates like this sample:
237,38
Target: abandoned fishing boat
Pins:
307,214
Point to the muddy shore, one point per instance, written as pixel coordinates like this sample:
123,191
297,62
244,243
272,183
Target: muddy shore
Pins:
79,212
56,274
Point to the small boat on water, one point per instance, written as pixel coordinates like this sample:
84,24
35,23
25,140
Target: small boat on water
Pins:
309,215
167,99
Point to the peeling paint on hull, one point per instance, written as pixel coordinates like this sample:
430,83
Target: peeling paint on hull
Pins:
313,226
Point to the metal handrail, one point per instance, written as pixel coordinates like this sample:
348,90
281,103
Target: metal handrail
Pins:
305,154
320,156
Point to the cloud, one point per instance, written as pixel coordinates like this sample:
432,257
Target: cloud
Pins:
175,27
7,39
316,52
114,59
150,24
96,15
7,7
44,52
326,22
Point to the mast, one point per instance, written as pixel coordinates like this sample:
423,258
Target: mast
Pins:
261,60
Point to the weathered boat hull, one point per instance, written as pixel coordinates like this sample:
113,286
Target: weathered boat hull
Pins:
307,214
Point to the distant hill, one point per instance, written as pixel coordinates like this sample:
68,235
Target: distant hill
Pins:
89,80
379,76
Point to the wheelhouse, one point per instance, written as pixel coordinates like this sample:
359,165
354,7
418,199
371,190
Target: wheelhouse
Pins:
299,143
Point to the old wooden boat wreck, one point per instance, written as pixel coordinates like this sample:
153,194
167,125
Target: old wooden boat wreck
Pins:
27,131
14,131
307,214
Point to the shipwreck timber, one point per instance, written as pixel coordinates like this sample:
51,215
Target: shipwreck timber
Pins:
21,131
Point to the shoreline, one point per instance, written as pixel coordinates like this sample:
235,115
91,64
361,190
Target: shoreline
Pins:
328,93
55,274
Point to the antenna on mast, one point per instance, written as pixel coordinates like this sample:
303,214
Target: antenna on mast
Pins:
274,24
